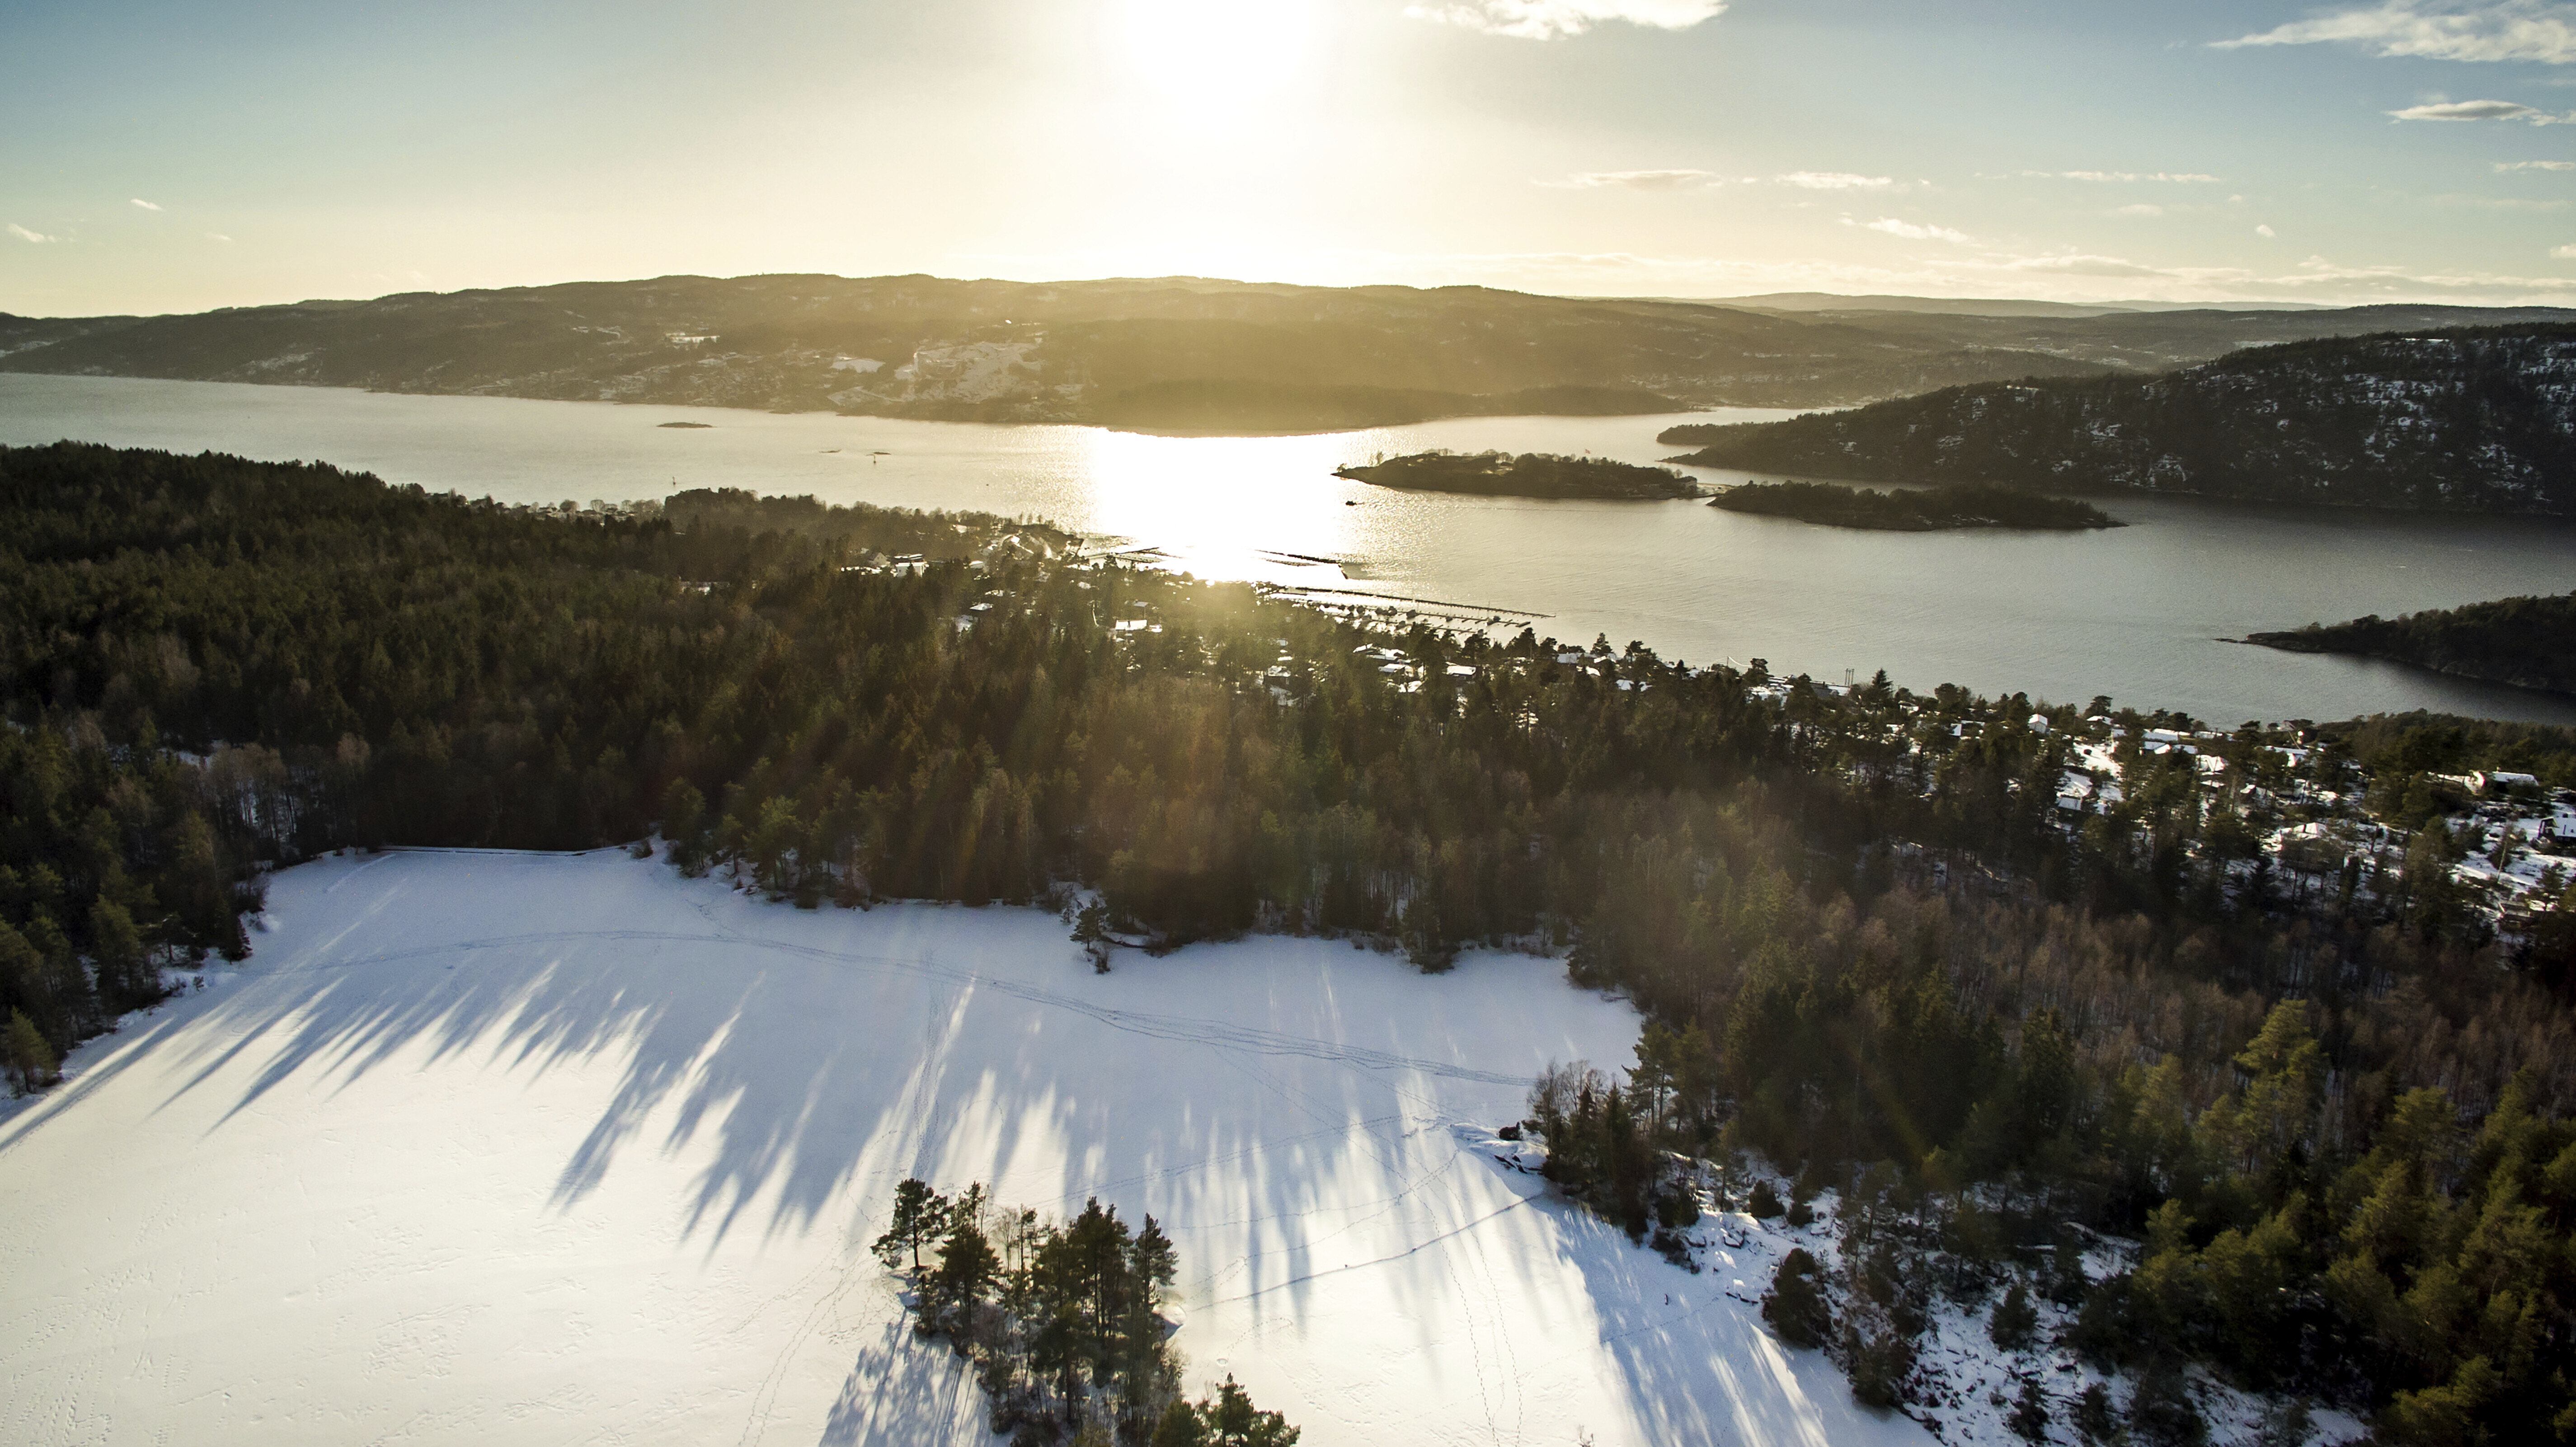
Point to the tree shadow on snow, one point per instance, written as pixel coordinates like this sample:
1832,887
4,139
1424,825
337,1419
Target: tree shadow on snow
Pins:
807,1062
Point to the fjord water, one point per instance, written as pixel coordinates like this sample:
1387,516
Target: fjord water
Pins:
2139,613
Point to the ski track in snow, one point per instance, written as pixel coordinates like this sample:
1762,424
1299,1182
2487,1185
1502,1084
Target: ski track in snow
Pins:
489,1147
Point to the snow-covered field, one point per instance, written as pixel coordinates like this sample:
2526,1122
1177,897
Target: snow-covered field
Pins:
491,1148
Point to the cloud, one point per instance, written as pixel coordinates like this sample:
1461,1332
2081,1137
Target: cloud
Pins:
146,205
2499,203
2187,176
2479,110
219,236
2265,231
23,234
2504,166
1913,232
2535,30
2563,253
1551,19
2141,209
2081,265
1835,181
1636,180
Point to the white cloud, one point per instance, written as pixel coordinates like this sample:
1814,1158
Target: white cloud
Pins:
23,234
1912,232
2081,265
1835,181
146,205
2142,208
2563,253
2537,30
2265,231
218,236
1636,180
2504,166
2479,110
1550,19
2191,176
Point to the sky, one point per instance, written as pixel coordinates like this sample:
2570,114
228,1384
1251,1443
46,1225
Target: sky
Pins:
160,157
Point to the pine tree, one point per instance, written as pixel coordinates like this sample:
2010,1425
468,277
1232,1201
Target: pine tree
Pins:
2029,1419
124,969
1794,1305
1180,1426
920,1214
964,1278
31,1062
1234,1422
2015,1319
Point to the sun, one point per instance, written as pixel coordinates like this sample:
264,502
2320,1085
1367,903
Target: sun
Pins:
1217,53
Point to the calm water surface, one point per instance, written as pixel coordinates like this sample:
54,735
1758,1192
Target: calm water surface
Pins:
2134,612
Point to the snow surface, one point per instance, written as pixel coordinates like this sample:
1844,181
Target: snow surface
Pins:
565,1149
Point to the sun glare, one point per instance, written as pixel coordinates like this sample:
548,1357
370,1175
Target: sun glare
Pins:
1212,51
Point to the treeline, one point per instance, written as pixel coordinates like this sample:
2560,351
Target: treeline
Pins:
1924,509
2527,642
1873,929
1063,1322
872,529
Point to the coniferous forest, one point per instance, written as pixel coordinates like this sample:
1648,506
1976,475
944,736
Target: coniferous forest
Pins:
1063,1321
2334,1111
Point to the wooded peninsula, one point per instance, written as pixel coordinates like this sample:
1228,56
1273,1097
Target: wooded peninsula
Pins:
2527,642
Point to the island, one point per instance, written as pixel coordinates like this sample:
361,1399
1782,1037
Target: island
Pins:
694,426
1531,474
2527,642
1916,510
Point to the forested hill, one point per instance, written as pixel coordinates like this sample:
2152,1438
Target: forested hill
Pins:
1167,354
2527,642
2477,420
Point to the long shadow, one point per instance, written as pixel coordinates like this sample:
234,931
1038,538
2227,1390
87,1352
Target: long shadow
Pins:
808,1062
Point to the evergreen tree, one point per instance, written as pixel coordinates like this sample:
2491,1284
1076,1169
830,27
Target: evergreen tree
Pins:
2029,1419
1795,1306
2014,1320
920,1215
31,1061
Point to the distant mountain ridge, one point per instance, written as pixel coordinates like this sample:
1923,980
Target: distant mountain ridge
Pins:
1992,306
2469,420
1174,353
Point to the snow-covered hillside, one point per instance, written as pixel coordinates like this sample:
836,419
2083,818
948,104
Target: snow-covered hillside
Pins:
492,1148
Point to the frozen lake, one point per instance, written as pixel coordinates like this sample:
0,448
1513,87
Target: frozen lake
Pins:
2136,612
497,1148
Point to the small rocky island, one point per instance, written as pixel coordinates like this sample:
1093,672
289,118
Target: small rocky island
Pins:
1915,510
1531,474
692,426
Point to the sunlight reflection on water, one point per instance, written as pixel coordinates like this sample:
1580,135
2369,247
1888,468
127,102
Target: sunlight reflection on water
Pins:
2138,612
